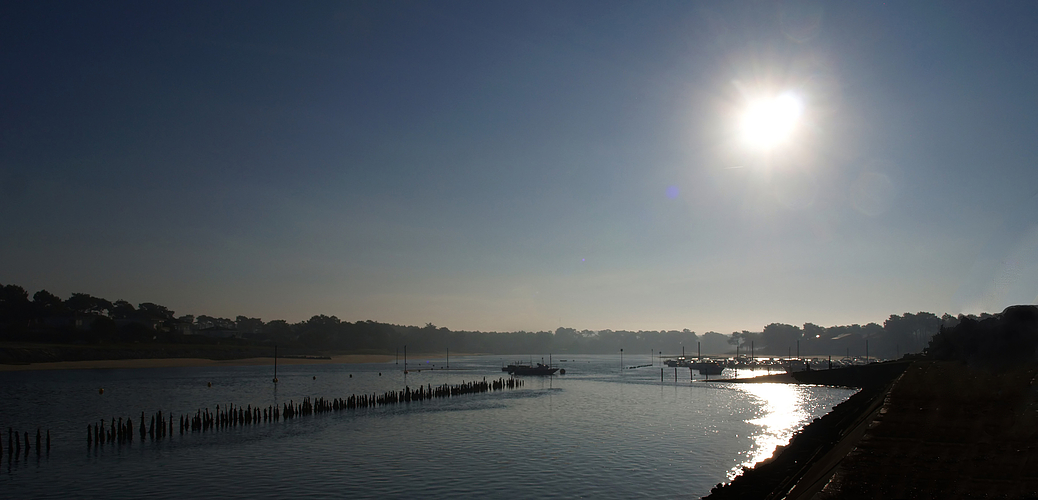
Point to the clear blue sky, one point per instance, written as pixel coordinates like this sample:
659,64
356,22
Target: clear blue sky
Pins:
522,165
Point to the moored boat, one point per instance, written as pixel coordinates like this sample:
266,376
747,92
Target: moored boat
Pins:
526,369
707,367
678,362
796,365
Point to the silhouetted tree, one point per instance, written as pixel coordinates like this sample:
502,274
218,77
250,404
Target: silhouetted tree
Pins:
46,304
203,322
781,339
87,305
154,312
713,343
122,309
745,339
278,330
248,327
47,318
319,331
1000,341
907,333
15,306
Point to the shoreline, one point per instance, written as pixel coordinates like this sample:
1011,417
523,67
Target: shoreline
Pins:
27,356
106,364
824,441
934,426
860,376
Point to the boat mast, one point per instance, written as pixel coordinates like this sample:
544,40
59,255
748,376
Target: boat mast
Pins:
275,363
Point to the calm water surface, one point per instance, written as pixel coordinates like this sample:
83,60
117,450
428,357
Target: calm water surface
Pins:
595,432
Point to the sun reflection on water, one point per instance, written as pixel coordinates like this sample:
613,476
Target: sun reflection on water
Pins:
782,414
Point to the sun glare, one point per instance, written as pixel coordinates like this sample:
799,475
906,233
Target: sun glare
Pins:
780,416
769,122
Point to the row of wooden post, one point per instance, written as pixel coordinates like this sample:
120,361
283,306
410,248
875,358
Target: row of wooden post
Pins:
231,416
121,431
14,444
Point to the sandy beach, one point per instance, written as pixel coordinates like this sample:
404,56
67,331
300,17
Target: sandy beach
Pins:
195,362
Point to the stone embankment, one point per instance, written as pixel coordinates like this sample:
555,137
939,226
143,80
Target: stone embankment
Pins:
947,431
940,429
814,444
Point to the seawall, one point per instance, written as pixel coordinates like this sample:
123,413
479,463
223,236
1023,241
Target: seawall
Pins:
812,453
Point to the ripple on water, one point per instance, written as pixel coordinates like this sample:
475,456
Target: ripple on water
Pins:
591,433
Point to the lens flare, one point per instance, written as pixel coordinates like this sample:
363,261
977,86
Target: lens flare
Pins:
770,122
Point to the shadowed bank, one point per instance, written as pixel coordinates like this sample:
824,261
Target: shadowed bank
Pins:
961,422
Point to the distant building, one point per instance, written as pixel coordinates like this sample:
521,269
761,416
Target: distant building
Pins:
219,332
84,322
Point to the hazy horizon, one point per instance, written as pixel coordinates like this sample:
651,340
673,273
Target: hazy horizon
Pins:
522,166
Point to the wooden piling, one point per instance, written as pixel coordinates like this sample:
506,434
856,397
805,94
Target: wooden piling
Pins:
204,420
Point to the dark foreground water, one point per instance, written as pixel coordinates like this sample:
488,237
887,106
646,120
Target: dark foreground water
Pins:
595,432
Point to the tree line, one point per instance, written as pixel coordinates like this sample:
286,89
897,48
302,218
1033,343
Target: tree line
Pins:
83,318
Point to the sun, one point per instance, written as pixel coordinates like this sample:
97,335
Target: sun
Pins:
769,122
